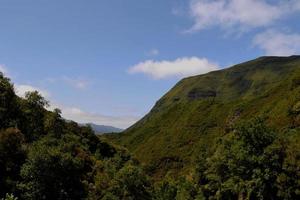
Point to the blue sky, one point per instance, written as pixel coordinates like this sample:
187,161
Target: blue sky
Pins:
108,61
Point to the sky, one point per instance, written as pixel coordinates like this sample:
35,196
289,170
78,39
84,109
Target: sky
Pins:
109,61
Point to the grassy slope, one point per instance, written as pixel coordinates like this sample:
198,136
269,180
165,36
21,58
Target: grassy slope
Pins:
188,118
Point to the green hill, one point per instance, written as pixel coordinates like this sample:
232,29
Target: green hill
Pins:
101,129
198,110
230,134
43,156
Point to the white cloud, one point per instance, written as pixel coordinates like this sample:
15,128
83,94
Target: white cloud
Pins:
239,14
77,83
180,67
22,89
3,69
74,113
153,52
278,43
80,116
297,5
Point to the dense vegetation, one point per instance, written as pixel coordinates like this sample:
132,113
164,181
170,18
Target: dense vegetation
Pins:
200,109
42,156
232,134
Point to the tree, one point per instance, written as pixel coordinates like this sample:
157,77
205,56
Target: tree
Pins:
12,156
35,99
53,123
120,178
8,106
287,182
246,164
33,115
165,190
10,197
132,183
53,171
180,189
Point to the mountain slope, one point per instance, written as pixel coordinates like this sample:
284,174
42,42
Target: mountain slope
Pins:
199,109
100,129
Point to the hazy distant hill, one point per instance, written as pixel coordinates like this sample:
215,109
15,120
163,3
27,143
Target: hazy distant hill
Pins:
100,129
199,109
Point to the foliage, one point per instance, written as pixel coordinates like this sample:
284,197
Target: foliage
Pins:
7,103
250,164
12,156
53,170
202,140
10,197
181,189
53,123
32,114
120,177
182,122
43,156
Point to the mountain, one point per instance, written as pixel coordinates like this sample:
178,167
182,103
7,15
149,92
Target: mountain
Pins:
199,109
200,141
100,129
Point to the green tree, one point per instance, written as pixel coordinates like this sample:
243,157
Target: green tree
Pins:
180,189
12,156
54,124
36,100
118,178
165,190
132,183
33,115
287,182
246,164
53,170
8,106
10,197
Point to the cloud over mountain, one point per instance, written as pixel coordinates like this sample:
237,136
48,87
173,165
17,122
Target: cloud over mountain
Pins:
181,67
22,89
278,43
78,115
238,14
3,69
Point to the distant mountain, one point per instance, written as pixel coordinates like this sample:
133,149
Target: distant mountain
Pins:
100,129
200,109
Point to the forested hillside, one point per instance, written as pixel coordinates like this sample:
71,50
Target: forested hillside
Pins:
191,121
229,134
199,109
42,156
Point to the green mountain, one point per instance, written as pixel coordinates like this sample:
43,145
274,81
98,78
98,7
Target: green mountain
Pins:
230,134
198,110
101,129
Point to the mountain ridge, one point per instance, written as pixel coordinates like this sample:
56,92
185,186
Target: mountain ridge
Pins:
101,129
199,109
